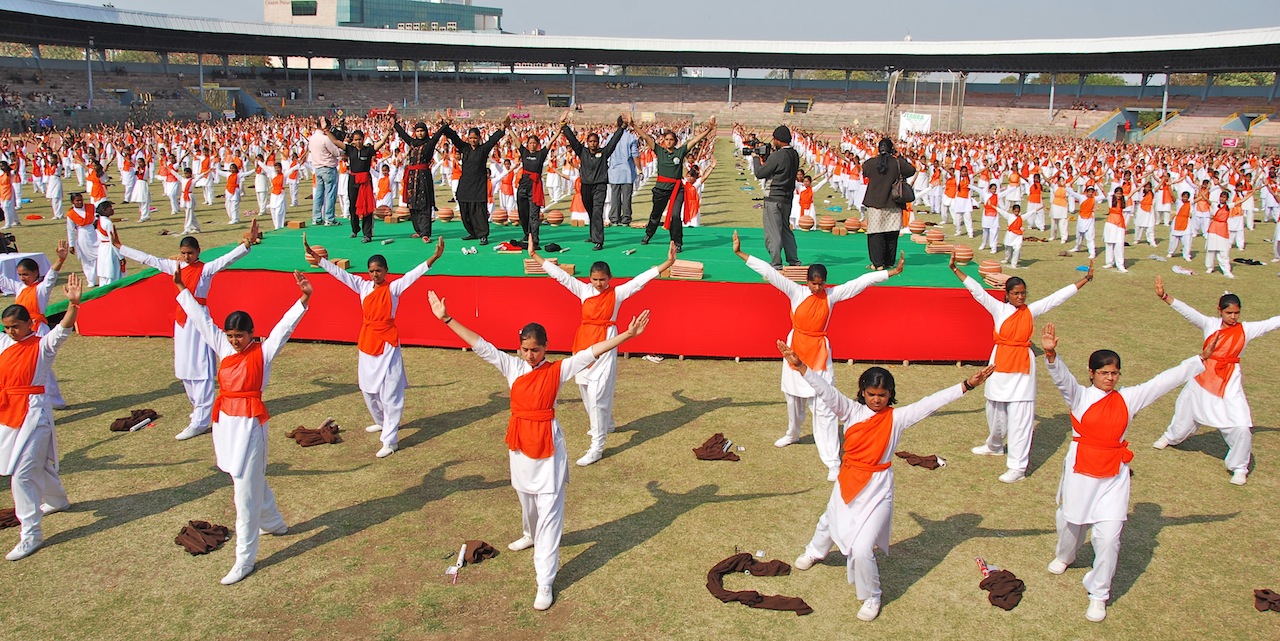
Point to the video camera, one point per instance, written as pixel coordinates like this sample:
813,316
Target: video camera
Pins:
761,149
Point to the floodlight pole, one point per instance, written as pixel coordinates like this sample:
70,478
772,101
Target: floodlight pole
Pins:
732,73
573,84
308,77
415,82
89,63
1164,104
1053,89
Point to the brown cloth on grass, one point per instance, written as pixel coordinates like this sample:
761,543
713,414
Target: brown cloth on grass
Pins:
124,423
1265,599
1005,588
478,551
715,450
751,598
929,462
202,537
9,518
327,433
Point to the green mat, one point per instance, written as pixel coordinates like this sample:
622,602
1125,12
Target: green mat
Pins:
844,256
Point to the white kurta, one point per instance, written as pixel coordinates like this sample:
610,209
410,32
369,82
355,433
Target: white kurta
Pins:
792,382
14,438
607,364
193,359
233,435
1232,409
532,475
1084,499
108,259
1010,386
375,371
846,520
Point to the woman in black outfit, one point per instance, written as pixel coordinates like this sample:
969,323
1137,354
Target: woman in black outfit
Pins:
884,217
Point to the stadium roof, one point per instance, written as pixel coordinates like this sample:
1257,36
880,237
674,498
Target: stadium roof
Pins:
57,23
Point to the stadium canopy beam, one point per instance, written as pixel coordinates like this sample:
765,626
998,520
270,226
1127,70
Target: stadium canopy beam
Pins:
1208,84
1022,83
1142,86
35,55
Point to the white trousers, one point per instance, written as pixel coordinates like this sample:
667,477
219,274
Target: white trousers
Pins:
35,480
386,406
1084,234
826,429
1220,257
1012,420
10,209
1180,238
1114,256
989,238
861,567
1239,438
263,196
1012,253
293,192
208,192
1144,233
965,219
233,208
200,393
175,201
1058,228
543,521
255,503
597,398
1106,551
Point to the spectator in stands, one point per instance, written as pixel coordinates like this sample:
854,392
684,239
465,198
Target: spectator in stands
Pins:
622,177
324,157
884,217
780,172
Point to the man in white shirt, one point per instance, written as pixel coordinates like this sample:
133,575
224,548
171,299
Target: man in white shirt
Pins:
323,156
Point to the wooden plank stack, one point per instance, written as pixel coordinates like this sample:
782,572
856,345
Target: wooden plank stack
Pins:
534,268
685,270
797,273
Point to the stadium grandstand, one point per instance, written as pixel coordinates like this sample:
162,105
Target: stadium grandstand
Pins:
484,71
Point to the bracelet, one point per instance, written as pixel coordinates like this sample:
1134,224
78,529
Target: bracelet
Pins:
446,320
967,386
1165,298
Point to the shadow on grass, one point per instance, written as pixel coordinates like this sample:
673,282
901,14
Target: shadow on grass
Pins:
342,522
328,390
916,557
116,404
1209,441
80,461
1138,542
119,510
617,537
1050,434
429,427
656,425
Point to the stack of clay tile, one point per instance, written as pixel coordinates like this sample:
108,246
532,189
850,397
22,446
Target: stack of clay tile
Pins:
686,270
991,273
534,267
797,273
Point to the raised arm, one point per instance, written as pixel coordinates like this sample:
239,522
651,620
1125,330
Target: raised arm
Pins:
581,360
841,405
1061,296
406,281
856,286
438,308
199,314
224,261
567,131
1062,379
284,329
1140,396
163,264
615,138
644,135
448,132
1205,323
62,250
979,294
697,138
908,415
631,287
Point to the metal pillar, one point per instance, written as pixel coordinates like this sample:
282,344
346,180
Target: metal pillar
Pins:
1142,86
35,55
1080,85
791,79
308,77
1208,83
416,99
226,65
88,62
164,62
1022,82
573,84
1275,89
1053,88
890,89
342,68
847,75
963,80
1164,104
624,74
732,74
200,65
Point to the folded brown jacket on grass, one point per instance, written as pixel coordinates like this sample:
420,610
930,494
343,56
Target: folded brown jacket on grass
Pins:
717,448
744,562
135,418
326,434
202,537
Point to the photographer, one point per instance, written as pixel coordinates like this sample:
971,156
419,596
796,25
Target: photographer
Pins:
779,169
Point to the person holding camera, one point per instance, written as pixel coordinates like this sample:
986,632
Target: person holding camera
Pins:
779,170
884,216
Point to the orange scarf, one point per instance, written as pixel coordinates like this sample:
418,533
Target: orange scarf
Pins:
240,385
30,299
865,444
190,280
1223,361
17,373
809,331
1099,450
378,327
1012,340
597,318
533,403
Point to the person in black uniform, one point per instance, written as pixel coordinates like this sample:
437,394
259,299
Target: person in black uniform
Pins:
360,200
473,185
419,186
666,196
530,197
594,171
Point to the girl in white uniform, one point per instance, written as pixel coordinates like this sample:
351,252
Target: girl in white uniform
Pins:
28,447
811,305
108,267
240,418
860,511
380,368
83,237
1094,491
193,360
539,462
1011,394
32,292
600,305
1216,397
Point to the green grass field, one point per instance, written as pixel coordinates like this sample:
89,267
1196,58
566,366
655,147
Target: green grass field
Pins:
370,539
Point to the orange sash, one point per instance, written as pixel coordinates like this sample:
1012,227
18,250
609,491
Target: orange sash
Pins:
1218,224
864,445
597,318
378,327
1086,209
240,385
30,299
88,217
190,280
809,331
17,372
533,403
1099,450
1115,216
1016,225
1182,217
1218,368
1012,340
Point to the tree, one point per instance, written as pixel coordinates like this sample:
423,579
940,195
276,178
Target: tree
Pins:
1250,79
1105,79
649,70
828,74
1010,80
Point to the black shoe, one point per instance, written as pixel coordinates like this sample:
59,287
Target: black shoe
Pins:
353,234
468,238
645,240
484,241
588,240
536,247
366,240
679,248
625,223
598,247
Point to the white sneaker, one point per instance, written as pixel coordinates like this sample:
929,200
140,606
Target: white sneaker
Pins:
23,549
1012,476
786,440
544,598
1097,610
590,457
522,543
192,431
870,609
833,475
1239,477
983,450
1057,567
237,574
1161,443
47,509
804,562
373,428
386,451
283,529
